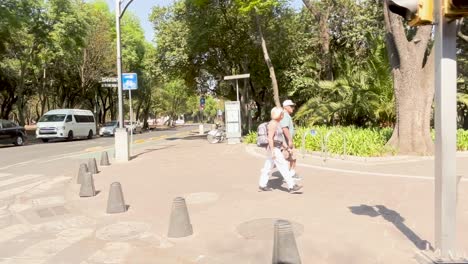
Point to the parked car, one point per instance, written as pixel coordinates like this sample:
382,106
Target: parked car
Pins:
108,129
11,133
135,126
67,124
180,120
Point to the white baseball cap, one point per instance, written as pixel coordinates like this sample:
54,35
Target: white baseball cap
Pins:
288,103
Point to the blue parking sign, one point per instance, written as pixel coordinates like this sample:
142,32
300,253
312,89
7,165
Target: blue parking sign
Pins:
129,81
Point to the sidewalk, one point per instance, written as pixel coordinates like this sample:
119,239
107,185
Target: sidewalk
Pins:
341,216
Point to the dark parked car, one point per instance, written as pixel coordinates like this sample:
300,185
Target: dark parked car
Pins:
11,133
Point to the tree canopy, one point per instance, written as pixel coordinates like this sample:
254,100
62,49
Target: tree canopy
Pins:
331,57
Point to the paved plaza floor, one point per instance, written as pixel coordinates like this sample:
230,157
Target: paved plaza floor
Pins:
378,211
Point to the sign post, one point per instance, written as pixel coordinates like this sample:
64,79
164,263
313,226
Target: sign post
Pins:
109,82
233,114
121,134
129,83
201,127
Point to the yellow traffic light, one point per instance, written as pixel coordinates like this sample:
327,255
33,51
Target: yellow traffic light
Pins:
425,13
418,12
456,8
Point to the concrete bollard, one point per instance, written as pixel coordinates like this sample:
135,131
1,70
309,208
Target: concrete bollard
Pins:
105,159
81,173
179,225
284,247
92,166
201,129
115,202
87,186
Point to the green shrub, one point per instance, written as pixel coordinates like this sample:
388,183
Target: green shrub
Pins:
462,140
364,142
359,141
251,138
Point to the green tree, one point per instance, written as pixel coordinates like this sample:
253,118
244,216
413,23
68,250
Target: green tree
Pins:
260,7
173,97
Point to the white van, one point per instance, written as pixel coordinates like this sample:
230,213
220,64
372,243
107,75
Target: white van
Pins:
66,123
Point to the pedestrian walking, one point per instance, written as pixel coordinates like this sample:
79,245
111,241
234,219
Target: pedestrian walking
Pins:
288,129
276,144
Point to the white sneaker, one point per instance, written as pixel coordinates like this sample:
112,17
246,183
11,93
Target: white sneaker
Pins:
297,178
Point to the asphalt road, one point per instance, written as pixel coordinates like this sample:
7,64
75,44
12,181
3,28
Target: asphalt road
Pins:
36,153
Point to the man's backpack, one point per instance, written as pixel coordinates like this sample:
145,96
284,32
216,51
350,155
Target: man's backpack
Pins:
262,135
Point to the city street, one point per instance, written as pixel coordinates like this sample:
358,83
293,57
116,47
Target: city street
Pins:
26,167
35,153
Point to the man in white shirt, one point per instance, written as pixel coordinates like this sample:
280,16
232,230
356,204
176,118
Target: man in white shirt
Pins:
288,130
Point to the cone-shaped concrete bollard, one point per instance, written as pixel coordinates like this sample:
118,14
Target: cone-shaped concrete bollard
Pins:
284,247
179,225
81,173
115,202
87,186
92,166
105,159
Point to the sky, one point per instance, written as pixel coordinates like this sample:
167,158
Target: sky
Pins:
142,8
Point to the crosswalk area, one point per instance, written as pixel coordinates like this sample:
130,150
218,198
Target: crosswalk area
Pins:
12,185
37,226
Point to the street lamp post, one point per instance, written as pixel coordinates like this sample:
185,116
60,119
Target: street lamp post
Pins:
121,134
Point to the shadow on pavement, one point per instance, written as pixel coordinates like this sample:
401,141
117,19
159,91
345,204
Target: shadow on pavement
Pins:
393,217
7,146
150,150
277,183
190,137
164,129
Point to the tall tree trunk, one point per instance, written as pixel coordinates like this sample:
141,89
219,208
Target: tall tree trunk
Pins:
7,105
274,82
465,120
413,81
322,17
21,103
20,107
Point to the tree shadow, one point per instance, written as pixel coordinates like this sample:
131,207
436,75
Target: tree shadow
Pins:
150,150
193,137
393,217
164,129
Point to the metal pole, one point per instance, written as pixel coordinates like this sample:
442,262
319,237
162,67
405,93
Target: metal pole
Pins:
119,62
237,89
446,132
131,119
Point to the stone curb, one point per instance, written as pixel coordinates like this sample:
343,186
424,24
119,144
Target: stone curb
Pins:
335,157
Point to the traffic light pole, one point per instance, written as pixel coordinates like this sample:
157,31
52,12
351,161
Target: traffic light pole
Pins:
446,132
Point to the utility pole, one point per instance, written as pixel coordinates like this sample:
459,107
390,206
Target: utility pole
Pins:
122,152
446,131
